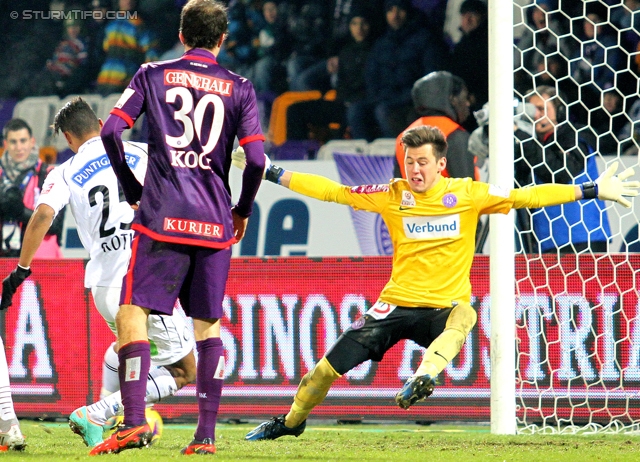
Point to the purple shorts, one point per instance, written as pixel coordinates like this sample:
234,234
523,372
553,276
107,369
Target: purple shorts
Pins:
161,272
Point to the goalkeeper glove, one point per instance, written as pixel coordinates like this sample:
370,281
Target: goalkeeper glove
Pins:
11,283
612,187
271,172
239,158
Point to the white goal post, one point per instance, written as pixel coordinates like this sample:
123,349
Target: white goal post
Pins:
501,241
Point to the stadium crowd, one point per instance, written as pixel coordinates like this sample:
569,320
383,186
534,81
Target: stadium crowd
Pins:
370,52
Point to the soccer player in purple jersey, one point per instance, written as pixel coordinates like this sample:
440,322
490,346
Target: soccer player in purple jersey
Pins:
185,223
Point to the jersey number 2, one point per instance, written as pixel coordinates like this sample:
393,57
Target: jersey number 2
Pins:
102,189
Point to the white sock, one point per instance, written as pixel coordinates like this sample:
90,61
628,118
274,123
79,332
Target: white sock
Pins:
110,380
160,384
6,401
104,409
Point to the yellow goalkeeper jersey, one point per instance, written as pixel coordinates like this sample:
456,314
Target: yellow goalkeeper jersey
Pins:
433,233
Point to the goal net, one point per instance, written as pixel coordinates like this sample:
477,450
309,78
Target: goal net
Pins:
577,309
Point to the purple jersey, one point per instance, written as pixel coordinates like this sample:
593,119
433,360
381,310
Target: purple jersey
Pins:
194,109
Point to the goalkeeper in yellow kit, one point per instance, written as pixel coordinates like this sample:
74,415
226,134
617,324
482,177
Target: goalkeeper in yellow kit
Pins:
432,223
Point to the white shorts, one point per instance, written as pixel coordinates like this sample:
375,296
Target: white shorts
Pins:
170,337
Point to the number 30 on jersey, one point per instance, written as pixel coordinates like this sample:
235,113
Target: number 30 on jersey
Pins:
191,159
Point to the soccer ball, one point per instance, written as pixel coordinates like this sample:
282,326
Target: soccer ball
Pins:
153,419
155,422
111,425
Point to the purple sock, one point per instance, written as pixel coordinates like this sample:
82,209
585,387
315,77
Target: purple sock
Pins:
135,360
209,381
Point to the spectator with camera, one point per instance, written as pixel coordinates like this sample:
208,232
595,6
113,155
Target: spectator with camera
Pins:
22,175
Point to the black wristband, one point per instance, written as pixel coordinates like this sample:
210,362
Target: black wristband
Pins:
274,173
589,190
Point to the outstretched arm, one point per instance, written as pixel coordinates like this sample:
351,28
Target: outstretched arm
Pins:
608,186
285,180
315,186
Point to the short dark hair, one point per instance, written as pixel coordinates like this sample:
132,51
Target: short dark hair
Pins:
202,23
77,118
14,125
474,6
426,134
401,4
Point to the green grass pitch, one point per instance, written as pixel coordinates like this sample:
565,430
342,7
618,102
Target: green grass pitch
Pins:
362,443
